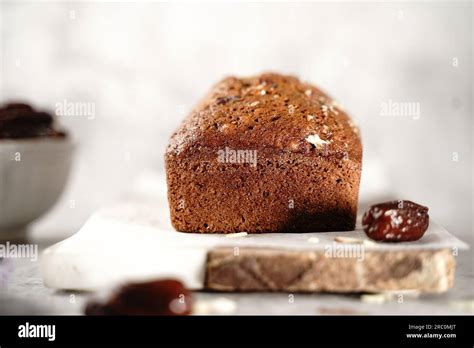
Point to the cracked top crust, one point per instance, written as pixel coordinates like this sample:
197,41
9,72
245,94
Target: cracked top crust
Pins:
268,111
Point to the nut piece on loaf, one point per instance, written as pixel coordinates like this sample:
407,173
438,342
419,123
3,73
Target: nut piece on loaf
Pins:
267,153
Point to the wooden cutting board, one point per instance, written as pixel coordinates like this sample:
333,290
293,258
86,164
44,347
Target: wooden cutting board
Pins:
133,240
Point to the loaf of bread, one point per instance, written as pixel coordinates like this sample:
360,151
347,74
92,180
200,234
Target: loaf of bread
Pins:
267,153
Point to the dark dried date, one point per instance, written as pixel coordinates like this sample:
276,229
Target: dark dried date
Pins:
159,297
396,221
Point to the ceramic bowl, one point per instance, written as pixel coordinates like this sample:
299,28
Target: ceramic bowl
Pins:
33,174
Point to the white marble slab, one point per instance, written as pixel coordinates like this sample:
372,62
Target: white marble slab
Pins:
134,240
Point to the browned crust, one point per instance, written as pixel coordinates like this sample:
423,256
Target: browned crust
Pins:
236,114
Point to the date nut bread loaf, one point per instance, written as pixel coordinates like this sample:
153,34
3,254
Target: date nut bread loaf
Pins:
267,153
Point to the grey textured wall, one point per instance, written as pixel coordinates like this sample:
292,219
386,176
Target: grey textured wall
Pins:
143,65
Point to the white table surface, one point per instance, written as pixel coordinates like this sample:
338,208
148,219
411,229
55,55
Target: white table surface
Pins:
22,290
24,293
